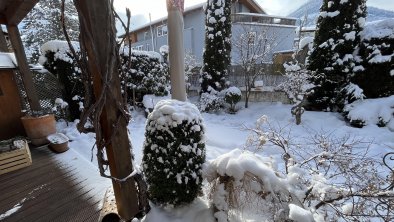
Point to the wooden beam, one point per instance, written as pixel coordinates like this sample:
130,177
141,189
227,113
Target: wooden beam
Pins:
18,10
27,77
3,20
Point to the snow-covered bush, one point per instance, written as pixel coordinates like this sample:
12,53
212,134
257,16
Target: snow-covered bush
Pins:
174,152
297,87
143,72
232,96
371,111
56,58
375,74
333,57
217,52
211,101
328,178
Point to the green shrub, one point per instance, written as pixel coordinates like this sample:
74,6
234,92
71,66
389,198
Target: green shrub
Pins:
174,152
232,96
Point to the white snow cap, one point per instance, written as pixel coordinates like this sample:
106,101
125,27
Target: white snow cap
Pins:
170,112
60,48
152,54
299,214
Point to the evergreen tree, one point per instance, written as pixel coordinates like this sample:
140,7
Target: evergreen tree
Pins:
43,24
217,51
333,55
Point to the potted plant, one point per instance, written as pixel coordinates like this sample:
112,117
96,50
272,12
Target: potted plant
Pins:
38,125
58,142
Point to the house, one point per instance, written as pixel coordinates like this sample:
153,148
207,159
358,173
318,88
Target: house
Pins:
246,15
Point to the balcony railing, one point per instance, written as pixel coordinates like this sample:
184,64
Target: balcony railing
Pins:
262,19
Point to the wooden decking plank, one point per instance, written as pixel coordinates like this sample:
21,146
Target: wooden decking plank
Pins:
42,204
38,191
31,186
54,191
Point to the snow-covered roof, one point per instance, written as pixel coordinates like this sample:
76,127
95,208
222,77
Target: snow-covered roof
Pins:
265,15
188,9
379,29
7,61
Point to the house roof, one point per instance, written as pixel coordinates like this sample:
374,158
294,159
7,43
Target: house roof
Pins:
13,11
252,4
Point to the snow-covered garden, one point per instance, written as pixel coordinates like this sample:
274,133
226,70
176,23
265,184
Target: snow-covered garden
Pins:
233,148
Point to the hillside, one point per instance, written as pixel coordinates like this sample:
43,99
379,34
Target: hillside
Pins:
312,8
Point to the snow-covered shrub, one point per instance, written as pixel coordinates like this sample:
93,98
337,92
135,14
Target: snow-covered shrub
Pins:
328,178
56,58
371,111
332,58
297,87
217,52
232,96
376,71
143,72
60,109
174,152
211,101
149,101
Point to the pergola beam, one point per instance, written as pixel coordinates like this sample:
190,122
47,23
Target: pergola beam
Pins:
16,42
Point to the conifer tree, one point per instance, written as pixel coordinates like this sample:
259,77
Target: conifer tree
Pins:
217,51
333,56
43,24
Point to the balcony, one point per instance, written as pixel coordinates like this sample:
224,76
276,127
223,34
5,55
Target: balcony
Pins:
263,19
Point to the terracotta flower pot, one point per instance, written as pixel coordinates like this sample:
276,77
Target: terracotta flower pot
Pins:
38,128
58,142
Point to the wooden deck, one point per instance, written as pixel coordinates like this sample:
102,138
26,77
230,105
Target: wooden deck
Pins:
48,190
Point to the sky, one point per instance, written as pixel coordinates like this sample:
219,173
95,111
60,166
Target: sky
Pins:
140,9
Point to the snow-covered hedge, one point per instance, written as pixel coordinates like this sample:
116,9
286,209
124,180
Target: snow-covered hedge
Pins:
371,112
174,152
56,58
376,72
144,73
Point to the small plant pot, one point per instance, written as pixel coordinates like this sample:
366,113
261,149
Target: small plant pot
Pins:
58,142
38,128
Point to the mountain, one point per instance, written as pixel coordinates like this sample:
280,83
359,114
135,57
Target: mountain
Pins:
312,8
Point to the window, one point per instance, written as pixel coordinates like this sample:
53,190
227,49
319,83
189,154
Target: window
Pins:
251,37
161,30
146,36
140,47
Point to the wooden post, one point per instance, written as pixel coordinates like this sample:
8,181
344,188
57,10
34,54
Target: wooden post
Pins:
27,78
98,38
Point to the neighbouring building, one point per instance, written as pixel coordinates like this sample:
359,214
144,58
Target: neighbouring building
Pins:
247,15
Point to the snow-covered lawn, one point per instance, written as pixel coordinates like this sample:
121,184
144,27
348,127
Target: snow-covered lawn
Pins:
226,132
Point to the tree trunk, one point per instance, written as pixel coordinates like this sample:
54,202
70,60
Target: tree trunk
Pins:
98,38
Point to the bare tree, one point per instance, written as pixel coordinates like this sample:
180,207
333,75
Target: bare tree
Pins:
253,47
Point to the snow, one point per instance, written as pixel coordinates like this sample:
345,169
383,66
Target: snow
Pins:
149,101
152,54
60,48
224,133
299,214
329,14
57,138
370,110
7,60
379,29
306,41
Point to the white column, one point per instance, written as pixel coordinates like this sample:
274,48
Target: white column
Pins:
176,49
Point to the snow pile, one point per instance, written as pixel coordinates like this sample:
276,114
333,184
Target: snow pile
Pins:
379,29
372,112
299,214
61,50
306,41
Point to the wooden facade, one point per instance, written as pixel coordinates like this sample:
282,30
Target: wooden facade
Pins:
10,106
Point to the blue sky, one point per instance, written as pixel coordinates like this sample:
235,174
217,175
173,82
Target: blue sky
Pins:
140,9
